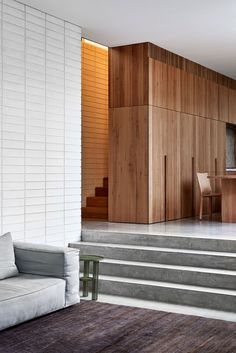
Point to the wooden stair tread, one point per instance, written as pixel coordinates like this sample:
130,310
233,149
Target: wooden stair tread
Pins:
95,212
105,182
101,191
97,206
97,201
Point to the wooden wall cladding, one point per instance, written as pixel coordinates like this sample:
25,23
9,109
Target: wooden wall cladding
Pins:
173,88
223,103
157,163
187,167
167,119
94,117
128,76
128,172
188,144
200,94
157,83
182,63
179,90
212,100
232,106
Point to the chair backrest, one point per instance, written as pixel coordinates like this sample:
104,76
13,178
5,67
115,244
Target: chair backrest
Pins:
204,183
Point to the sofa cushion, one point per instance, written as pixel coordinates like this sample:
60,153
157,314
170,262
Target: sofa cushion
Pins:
7,257
27,296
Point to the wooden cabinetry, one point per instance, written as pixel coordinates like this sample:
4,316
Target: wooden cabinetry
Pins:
157,83
232,106
187,172
128,76
173,167
223,103
167,122
173,88
212,100
187,92
128,164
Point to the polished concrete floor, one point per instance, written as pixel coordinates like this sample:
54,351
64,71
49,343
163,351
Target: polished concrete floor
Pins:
190,227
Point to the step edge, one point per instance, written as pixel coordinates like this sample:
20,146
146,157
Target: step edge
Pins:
206,270
167,235
169,285
155,248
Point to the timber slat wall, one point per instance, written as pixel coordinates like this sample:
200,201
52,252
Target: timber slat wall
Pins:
94,117
183,108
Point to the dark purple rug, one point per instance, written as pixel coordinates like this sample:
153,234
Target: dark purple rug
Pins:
93,327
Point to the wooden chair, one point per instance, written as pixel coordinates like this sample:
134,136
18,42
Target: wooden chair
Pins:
206,191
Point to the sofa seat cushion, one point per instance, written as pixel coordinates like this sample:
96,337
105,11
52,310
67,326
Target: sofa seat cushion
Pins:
27,296
7,257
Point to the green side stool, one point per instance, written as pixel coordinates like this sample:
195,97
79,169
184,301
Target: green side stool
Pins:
86,278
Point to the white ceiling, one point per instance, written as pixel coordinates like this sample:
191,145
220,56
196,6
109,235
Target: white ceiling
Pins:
201,30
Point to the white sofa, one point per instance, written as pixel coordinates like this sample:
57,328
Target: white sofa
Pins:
35,280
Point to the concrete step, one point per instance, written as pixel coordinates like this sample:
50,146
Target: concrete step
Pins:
218,299
195,242
197,276
182,257
167,307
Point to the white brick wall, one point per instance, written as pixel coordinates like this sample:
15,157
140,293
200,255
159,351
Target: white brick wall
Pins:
40,125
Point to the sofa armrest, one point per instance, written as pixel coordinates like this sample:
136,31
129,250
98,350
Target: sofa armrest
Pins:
47,260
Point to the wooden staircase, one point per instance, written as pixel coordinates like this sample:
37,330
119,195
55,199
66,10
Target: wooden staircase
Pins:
97,206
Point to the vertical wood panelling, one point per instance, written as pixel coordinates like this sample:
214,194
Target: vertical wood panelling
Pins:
128,172
173,88
232,106
187,153
40,126
128,75
94,117
189,106
172,140
158,89
223,103
158,150
187,92
212,100
201,97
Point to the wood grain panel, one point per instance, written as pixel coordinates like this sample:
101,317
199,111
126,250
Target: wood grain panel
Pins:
212,100
223,103
200,101
232,106
128,78
187,92
157,153
228,200
221,158
184,107
173,88
187,153
202,152
173,191
128,164
182,63
158,83
94,117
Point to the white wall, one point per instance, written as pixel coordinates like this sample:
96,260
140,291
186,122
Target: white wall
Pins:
40,125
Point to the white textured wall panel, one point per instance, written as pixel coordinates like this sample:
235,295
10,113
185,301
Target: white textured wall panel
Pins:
40,100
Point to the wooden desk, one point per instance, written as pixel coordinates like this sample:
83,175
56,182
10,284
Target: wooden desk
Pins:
228,201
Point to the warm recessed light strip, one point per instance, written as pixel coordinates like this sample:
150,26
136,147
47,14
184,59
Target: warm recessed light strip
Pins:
95,44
